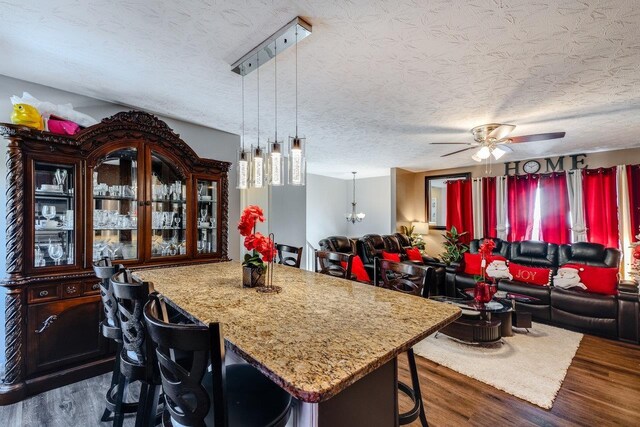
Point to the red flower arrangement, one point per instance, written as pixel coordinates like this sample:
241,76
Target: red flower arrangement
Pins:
263,248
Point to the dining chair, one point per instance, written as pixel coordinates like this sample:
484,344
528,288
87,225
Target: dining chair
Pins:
110,328
233,395
334,264
137,358
289,255
409,279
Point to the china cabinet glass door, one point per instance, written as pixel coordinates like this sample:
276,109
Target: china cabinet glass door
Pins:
207,193
168,209
54,219
115,210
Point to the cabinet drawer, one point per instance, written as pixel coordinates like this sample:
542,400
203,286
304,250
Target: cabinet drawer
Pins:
43,293
71,289
91,287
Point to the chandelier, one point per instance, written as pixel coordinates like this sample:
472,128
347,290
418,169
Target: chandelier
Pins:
354,217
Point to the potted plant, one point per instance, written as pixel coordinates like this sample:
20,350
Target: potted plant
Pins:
454,248
417,241
262,248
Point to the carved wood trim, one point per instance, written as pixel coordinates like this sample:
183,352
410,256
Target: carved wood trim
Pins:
224,238
15,209
14,336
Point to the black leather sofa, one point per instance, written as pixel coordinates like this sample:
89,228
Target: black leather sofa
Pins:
611,316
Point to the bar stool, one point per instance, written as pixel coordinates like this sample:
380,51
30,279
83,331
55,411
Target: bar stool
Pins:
110,328
409,279
235,395
334,264
292,260
137,358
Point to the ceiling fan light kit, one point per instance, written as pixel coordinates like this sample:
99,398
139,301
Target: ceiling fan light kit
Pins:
493,140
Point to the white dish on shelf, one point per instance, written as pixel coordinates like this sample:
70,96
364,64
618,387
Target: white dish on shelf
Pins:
52,188
205,198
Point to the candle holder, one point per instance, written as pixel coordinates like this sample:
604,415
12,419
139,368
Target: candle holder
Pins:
269,287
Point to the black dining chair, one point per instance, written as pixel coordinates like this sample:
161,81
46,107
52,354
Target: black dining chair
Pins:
137,358
234,395
289,255
334,264
408,279
110,328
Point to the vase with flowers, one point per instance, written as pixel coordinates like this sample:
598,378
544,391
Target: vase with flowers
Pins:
484,291
262,249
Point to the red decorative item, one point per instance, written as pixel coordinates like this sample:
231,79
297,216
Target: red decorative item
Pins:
485,251
482,292
263,247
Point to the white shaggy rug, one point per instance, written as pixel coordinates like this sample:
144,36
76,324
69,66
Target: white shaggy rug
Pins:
531,366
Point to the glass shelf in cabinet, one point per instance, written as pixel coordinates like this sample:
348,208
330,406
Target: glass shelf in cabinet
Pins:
96,197
169,201
115,228
52,195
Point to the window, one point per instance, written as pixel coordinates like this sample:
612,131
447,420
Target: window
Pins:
436,198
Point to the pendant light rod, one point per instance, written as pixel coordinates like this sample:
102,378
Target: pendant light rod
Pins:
262,53
296,82
275,87
258,91
242,113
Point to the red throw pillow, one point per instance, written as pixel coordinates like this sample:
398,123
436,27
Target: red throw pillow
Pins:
391,256
599,280
531,275
357,269
473,262
413,254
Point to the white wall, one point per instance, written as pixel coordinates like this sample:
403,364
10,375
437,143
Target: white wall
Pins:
326,206
287,213
373,197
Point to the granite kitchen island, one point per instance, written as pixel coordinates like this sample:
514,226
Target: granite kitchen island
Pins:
331,343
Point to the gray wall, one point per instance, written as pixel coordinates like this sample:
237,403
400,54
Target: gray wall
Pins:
206,142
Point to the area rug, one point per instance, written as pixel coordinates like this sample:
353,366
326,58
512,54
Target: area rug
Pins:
531,366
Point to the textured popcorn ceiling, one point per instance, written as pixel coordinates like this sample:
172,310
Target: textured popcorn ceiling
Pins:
378,79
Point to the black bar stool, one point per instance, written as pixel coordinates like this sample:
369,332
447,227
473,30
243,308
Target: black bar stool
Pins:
235,395
409,279
110,328
289,255
137,358
334,264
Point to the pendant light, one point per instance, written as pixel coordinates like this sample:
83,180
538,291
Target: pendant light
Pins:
354,217
275,168
242,172
297,161
257,155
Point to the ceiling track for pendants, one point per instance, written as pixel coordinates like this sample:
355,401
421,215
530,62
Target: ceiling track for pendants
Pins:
284,38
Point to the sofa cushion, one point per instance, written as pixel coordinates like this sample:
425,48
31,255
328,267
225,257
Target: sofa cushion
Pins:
599,280
464,281
501,248
472,263
358,270
530,275
593,254
391,256
392,243
403,239
534,253
584,303
592,325
540,292
414,254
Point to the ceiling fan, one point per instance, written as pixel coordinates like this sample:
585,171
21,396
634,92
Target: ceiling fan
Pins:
493,139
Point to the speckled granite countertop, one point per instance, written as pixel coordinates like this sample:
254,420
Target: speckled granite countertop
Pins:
316,337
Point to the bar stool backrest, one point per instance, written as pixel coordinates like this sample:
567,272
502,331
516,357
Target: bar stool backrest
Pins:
131,295
187,400
334,264
289,255
406,278
104,269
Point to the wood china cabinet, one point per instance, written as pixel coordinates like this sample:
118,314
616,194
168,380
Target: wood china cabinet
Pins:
129,188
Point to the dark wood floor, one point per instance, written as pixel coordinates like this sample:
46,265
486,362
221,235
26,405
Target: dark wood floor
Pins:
602,388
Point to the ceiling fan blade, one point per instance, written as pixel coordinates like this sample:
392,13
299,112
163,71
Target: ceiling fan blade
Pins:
446,143
459,151
505,147
536,137
501,132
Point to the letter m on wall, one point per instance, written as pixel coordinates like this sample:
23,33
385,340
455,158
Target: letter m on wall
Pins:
558,166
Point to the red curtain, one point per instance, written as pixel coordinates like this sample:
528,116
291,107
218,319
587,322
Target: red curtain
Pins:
555,222
459,207
633,181
601,206
521,199
489,217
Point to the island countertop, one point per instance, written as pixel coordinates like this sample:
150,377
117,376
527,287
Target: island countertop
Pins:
315,338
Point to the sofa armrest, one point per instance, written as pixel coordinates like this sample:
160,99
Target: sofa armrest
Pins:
628,289
454,267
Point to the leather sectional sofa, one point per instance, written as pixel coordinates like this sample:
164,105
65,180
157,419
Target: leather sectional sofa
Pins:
612,316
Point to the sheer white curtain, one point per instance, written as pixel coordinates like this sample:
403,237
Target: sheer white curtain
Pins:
624,221
501,207
576,206
478,211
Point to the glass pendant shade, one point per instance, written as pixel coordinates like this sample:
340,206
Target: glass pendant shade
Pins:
498,152
297,166
484,153
275,167
242,172
257,167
